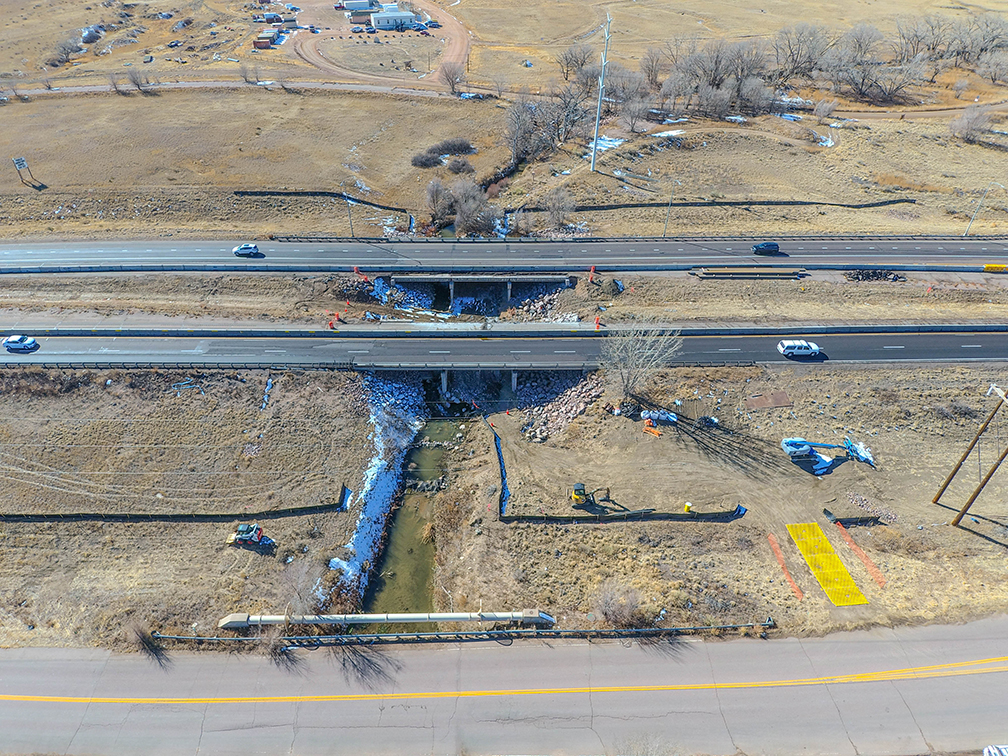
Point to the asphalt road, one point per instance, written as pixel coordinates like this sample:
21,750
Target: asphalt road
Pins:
449,255
883,691
530,353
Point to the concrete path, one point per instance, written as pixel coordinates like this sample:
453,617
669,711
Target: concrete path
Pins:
902,691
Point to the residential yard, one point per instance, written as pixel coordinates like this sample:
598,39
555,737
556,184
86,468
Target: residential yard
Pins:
916,423
132,442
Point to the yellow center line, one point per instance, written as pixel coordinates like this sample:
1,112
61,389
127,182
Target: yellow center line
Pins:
953,669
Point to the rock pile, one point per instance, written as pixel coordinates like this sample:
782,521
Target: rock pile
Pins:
548,418
873,275
886,515
428,486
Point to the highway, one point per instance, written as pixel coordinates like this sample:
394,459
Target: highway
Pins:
491,353
496,256
932,689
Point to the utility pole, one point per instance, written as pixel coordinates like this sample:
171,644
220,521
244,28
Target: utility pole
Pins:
667,214
601,89
992,183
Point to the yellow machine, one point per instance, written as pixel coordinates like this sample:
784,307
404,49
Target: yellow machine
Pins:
580,497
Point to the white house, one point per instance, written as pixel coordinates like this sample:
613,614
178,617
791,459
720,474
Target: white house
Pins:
393,19
353,5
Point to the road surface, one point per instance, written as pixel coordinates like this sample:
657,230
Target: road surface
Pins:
509,256
497,353
903,691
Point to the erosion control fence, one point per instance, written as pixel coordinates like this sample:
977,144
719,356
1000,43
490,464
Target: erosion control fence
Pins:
214,517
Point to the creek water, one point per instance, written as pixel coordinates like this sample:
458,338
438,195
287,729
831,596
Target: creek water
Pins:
403,582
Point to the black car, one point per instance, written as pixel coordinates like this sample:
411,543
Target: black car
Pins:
766,248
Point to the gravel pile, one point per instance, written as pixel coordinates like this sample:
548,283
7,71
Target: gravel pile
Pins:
549,416
886,515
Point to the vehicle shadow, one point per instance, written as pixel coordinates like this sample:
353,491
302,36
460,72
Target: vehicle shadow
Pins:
821,357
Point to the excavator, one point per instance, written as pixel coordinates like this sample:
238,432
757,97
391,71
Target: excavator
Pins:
582,498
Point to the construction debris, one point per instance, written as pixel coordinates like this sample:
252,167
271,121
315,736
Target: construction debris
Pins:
800,449
864,274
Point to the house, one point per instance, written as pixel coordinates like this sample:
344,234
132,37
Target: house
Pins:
360,17
393,19
355,5
290,23
265,39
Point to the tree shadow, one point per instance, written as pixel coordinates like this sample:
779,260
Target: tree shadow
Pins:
148,645
666,646
366,665
756,458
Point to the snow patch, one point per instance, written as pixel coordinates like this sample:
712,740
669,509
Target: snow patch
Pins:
397,412
670,133
604,143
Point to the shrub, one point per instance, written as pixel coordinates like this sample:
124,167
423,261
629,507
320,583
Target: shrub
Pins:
426,160
452,146
460,165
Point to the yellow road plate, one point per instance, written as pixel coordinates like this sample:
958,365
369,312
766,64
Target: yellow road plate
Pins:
992,268
825,564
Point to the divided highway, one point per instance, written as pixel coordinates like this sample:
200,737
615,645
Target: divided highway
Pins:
499,256
490,353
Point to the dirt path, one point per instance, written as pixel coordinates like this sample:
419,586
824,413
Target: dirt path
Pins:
456,51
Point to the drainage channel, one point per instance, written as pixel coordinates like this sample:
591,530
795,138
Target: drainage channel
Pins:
403,579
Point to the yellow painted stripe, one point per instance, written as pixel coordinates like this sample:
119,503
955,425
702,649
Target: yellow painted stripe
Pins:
992,268
825,564
956,669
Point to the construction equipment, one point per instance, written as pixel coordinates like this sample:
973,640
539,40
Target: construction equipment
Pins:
799,448
251,536
581,498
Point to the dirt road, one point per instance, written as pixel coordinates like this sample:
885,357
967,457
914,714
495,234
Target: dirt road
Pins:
306,47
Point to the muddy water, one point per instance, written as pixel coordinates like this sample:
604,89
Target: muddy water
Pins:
403,582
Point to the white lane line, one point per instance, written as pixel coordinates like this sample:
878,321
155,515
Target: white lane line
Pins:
729,350
894,347
521,351
438,351
564,351
358,351
971,346
276,351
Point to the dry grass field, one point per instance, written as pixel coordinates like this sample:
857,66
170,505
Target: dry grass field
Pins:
916,423
136,172
128,442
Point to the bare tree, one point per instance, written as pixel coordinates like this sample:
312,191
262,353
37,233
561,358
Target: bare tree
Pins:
993,65
137,79
518,128
113,79
972,124
559,203
630,358
676,92
451,74
746,60
521,223
824,109
64,51
652,66
246,74
439,201
712,101
635,111
960,86
474,216
754,96
573,59
797,51
500,84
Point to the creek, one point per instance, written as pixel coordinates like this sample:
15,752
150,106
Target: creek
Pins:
403,582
